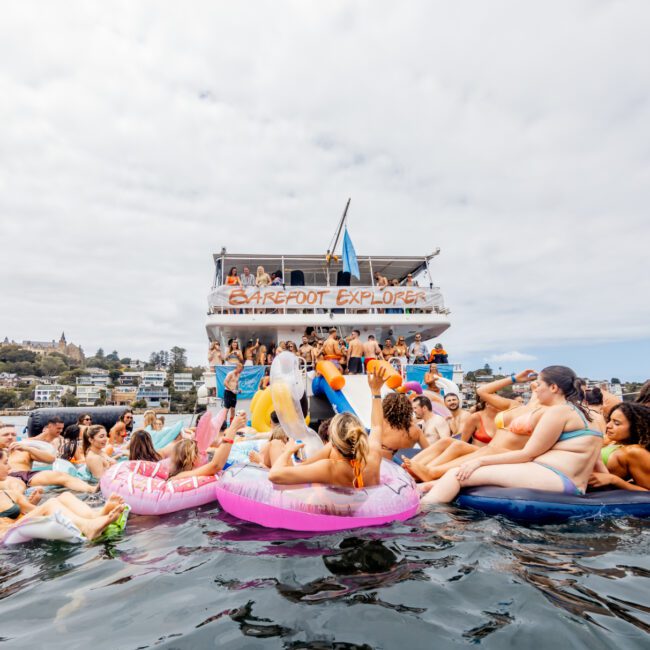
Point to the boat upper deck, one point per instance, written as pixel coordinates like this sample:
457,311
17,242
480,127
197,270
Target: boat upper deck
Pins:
317,283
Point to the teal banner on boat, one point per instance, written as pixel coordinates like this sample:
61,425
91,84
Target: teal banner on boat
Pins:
248,381
417,372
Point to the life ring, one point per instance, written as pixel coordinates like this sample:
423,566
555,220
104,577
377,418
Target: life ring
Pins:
542,507
245,491
144,486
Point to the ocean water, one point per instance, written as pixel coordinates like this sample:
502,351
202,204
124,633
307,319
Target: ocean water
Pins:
446,578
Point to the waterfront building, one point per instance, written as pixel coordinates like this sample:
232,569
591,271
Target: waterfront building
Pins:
88,394
183,382
155,396
48,395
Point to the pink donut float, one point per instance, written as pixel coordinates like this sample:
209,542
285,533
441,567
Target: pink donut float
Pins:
414,386
144,486
245,491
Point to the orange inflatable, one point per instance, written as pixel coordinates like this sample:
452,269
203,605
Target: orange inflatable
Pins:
393,378
331,373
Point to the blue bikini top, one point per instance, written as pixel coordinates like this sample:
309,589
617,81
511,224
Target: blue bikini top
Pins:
578,433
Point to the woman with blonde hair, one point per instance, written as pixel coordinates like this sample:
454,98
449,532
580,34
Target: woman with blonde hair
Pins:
185,454
262,278
351,458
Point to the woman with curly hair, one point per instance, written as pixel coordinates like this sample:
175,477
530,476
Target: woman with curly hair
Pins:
400,430
627,458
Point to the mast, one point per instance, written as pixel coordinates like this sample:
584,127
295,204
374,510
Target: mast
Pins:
332,248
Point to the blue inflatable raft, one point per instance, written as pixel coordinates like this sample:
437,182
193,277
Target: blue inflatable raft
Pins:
541,507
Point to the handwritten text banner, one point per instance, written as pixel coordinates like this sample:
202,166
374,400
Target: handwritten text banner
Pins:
325,297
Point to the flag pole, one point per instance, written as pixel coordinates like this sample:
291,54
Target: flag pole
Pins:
332,249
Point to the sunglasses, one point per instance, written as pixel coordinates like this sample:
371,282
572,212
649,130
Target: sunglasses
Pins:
87,420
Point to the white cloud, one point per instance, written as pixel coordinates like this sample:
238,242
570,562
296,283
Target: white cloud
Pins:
138,138
511,356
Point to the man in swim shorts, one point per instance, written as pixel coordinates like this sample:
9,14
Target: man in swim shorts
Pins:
332,349
355,354
306,351
230,390
434,426
22,456
371,350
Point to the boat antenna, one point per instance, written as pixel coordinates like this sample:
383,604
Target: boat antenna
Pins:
335,239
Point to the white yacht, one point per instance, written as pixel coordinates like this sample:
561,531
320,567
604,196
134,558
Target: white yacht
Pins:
311,294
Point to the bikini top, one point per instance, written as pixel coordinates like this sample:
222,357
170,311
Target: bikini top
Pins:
357,470
522,425
578,433
12,512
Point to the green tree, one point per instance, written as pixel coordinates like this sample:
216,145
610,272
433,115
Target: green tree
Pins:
99,354
125,361
69,399
8,398
114,375
178,359
113,356
615,380
197,372
101,400
70,376
15,353
139,404
51,365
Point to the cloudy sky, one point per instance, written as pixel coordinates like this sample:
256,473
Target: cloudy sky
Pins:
139,137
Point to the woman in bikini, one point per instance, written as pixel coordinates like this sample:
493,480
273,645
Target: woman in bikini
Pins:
559,456
90,521
511,428
94,449
351,458
233,354
627,457
214,355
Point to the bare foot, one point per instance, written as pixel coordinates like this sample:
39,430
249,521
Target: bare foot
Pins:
112,502
35,496
95,527
418,470
255,457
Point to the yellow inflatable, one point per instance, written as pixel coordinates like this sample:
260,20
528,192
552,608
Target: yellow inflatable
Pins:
262,406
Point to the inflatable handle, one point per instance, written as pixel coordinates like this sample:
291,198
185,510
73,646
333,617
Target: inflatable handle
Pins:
448,386
393,378
261,412
333,376
285,375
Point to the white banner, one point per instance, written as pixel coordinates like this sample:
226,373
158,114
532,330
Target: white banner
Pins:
272,297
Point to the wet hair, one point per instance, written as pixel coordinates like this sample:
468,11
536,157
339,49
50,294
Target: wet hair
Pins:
70,437
639,418
424,401
347,435
141,447
149,418
82,417
570,385
55,420
89,436
398,411
184,454
594,396
324,430
644,394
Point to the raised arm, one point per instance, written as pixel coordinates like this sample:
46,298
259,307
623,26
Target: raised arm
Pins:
488,392
375,382
221,453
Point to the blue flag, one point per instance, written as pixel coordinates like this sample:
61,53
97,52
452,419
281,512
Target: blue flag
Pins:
350,263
